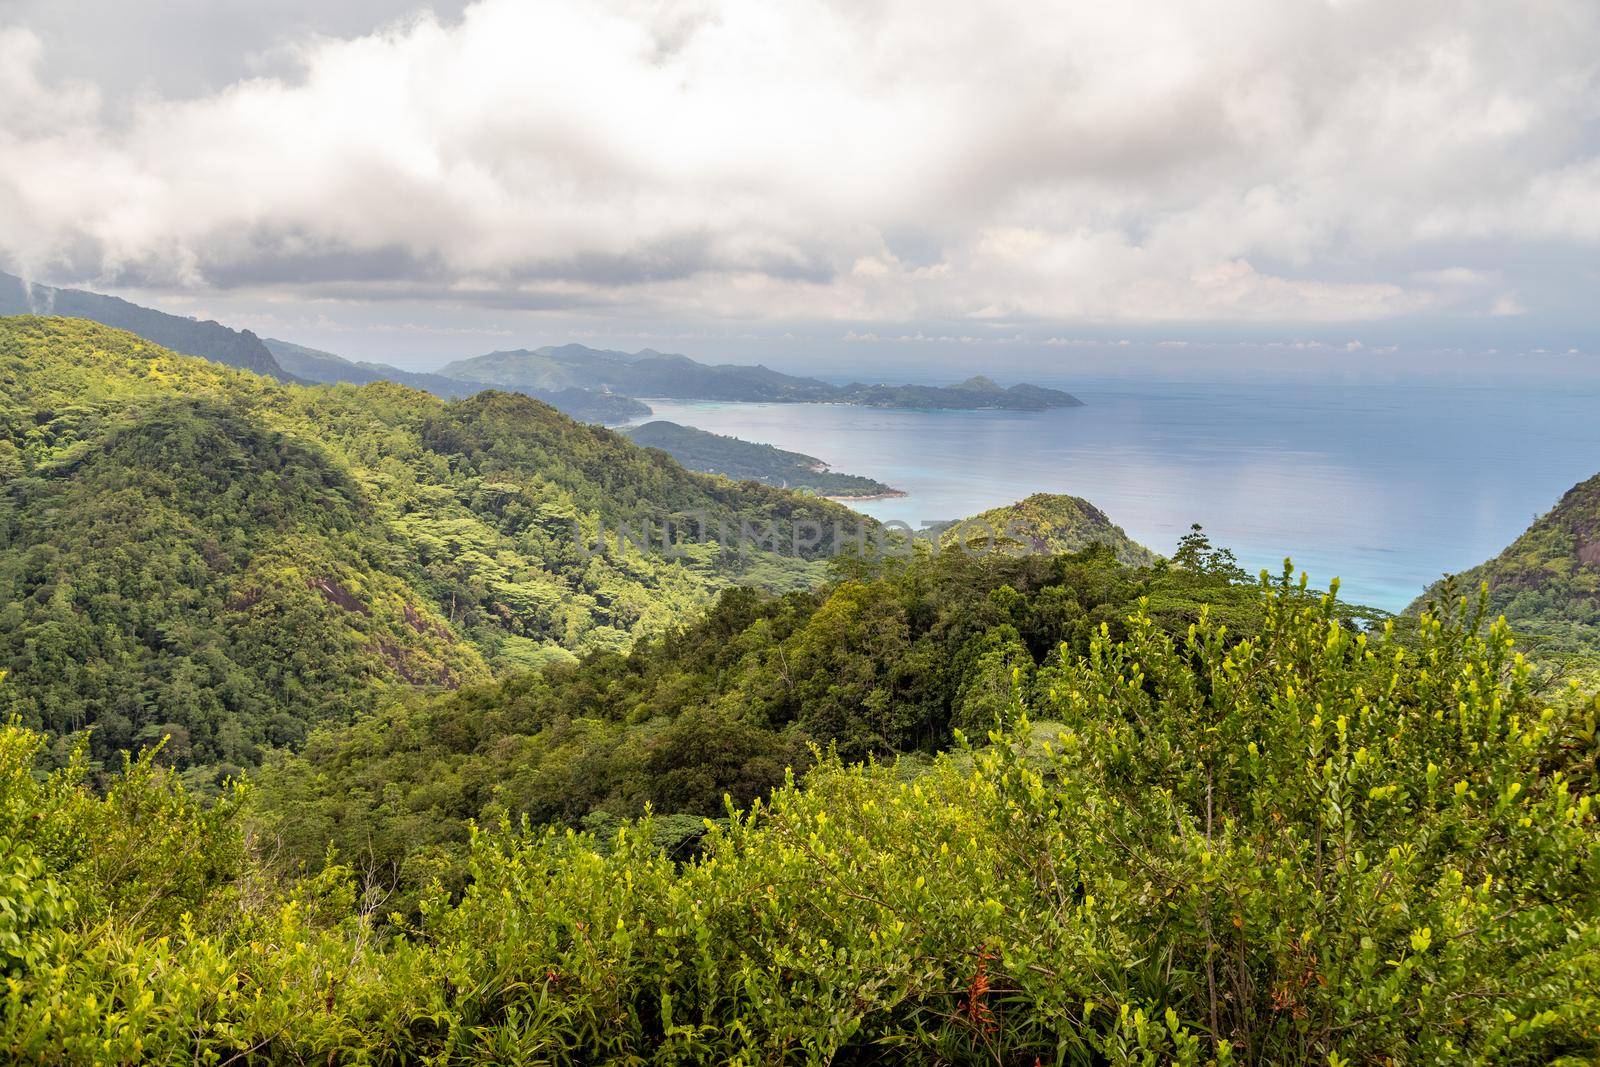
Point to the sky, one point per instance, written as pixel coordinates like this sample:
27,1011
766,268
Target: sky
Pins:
822,185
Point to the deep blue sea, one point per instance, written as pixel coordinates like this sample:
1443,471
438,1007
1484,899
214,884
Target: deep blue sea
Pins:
1384,485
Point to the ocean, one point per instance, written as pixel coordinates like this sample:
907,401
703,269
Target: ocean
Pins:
1384,485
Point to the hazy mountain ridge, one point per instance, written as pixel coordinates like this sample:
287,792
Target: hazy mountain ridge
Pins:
592,385
585,405
975,394
315,365
649,373
193,337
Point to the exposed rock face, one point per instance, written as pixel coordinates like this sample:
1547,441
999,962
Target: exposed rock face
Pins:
1589,554
338,595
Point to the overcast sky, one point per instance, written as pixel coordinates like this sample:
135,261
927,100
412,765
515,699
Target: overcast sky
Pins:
806,179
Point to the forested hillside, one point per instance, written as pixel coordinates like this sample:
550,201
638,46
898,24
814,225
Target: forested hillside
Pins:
1547,582
892,658
1287,843
205,553
889,659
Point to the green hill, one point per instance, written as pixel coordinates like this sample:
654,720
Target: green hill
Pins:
714,453
192,550
1547,582
1049,523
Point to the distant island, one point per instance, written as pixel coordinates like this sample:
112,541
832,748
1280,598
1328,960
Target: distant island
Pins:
977,393
713,453
649,373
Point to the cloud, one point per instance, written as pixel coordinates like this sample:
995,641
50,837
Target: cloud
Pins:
1506,304
832,160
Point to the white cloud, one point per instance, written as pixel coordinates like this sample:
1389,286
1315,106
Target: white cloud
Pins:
1147,161
1457,276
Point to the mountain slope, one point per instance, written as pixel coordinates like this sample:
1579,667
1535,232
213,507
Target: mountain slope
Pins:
189,545
184,571
714,453
1547,582
208,340
315,365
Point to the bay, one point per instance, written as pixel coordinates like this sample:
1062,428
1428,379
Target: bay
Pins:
1385,485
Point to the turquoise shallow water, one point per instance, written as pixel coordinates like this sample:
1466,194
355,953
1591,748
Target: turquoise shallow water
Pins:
1384,485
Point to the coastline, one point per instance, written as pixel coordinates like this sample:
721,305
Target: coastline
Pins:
892,494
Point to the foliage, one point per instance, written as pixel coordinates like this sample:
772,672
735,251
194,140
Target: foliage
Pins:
1307,846
885,660
1196,553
